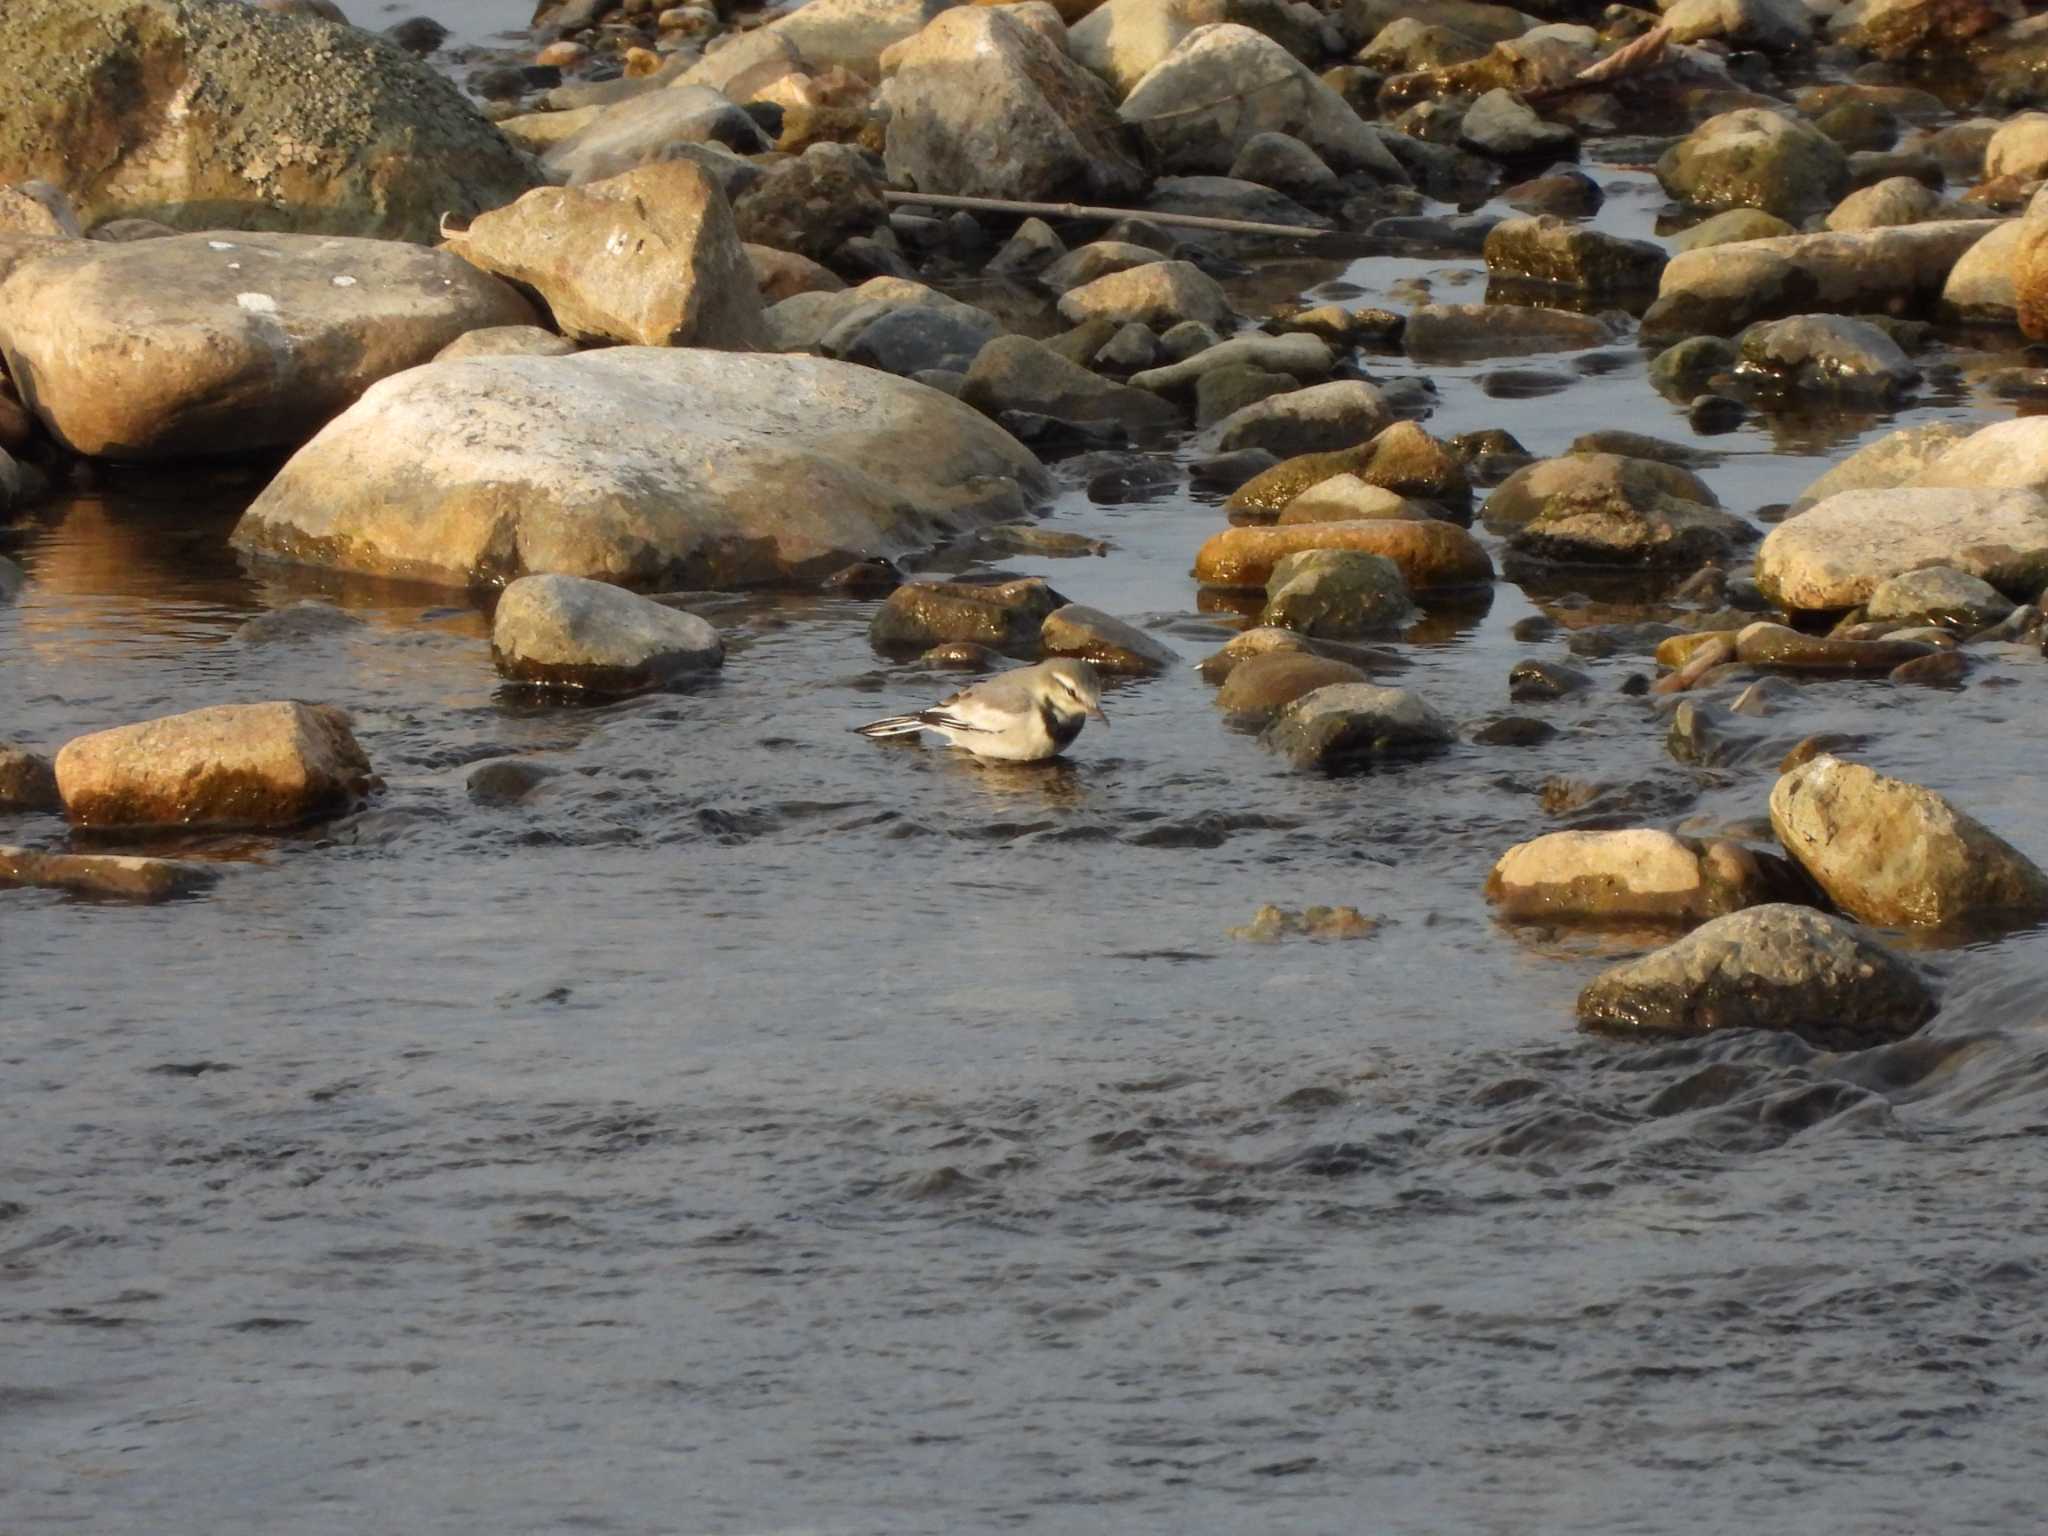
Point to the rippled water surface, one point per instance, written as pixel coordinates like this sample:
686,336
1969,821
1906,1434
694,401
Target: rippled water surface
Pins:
759,1129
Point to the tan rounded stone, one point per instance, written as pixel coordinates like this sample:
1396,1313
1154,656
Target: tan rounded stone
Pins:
1430,554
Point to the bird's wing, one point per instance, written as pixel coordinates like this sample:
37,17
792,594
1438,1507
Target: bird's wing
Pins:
991,707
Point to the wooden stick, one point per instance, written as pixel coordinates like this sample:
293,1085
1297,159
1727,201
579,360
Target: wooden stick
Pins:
1084,211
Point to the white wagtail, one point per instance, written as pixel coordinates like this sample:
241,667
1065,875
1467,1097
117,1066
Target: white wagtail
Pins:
1023,716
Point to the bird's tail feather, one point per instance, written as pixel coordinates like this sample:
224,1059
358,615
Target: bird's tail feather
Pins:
893,725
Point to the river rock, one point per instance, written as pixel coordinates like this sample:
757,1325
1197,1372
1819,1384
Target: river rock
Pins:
2019,148
1121,40
237,765
568,632
1895,200
1731,226
1430,554
1007,617
1287,165
1786,649
1160,294
1467,332
1898,854
1754,158
224,114
1551,250
813,203
1098,258
1776,966
1223,84
1259,687
1302,357
1502,125
1351,725
1770,26
1015,373
1337,594
1663,533
650,258
851,34
1344,499
1116,648
2006,454
1834,554
823,320
1319,419
1900,29
1874,271
1983,287
657,125
1589,482
37,208
506,341
1825,355
1403,459
981,106
638,465
1939,594
200,345
27,781
1897,458
114,876
1635,875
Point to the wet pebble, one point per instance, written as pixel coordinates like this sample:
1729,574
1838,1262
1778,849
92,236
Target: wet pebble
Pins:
1535,680
27,781
506,780
1514,731
113,876
1117,649
306,620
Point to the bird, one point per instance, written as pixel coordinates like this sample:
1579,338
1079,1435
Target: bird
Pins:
1025,716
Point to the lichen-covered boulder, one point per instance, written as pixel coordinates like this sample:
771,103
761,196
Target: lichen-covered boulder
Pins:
209,115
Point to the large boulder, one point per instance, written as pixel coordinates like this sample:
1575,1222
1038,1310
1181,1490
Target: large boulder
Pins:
1634,875
1897,458
1224,84
1755,158
650,258
2005,455
1777,967
1825,355
234,765
1897,270
190,346
2030,277
1898,854
1588,483
981,106
210,115
812,203
852,34
638,465
570,632
1833,555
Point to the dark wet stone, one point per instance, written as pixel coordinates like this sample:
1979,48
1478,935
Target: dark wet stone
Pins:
1116,648
1514,731
1538,626
1460,234
1351,725
916,336
1778,967
1007,617
1259,687
1601,640
27,781
864,578
1567,192
1221,392
1223,473
506,780
1531,680
1944,669
1712,414
300,621
1053,436
963,656
1682,369
1524,383
1142,480
1779,646
417,34
1640,445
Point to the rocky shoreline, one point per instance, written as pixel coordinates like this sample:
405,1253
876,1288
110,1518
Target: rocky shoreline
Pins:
666,316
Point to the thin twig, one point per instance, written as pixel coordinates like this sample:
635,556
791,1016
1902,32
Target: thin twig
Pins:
1087,211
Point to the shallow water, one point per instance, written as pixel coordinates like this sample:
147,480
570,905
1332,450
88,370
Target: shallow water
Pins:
758,1129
